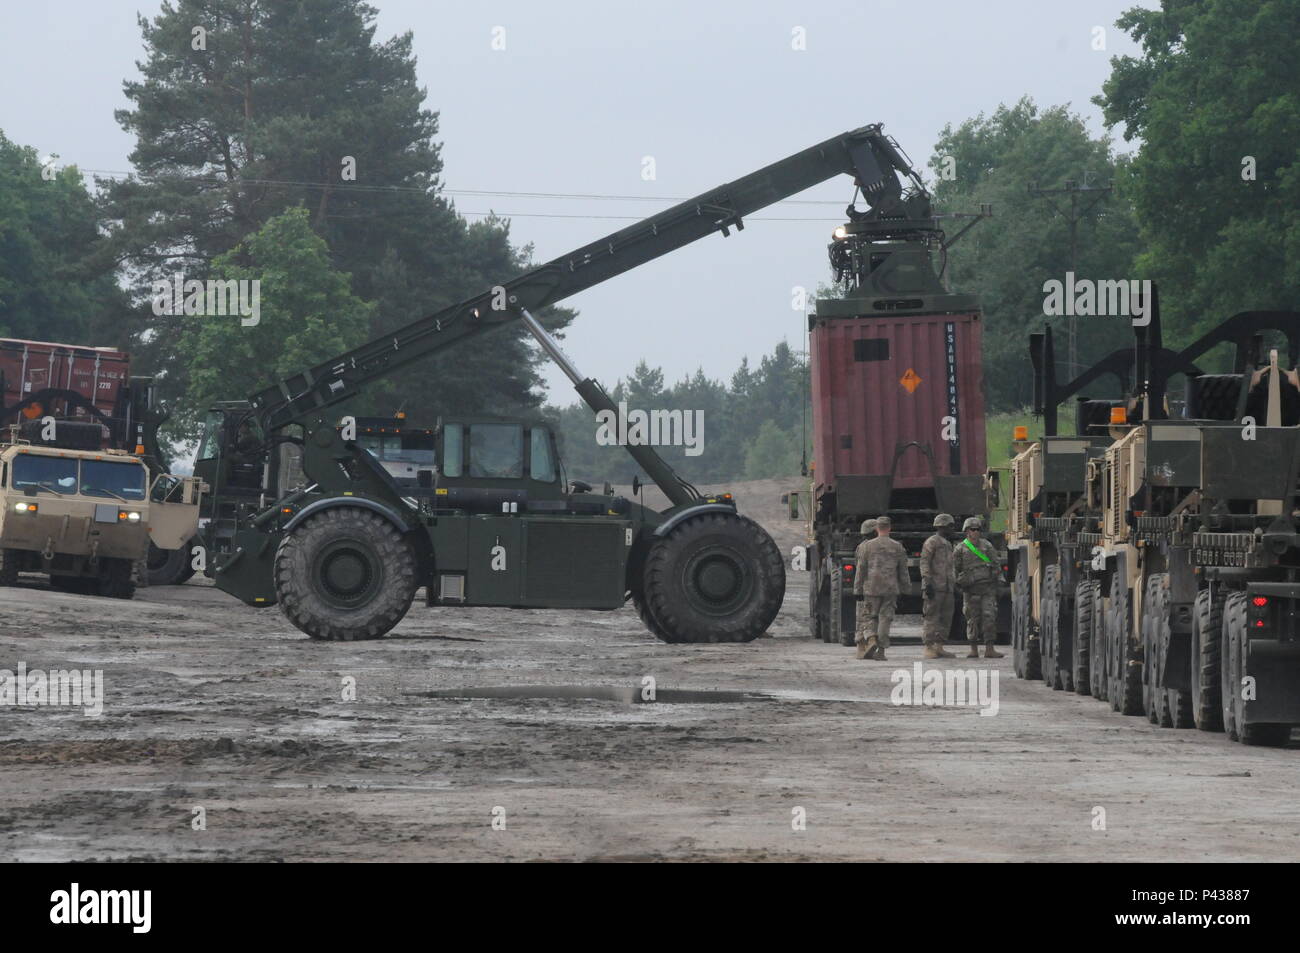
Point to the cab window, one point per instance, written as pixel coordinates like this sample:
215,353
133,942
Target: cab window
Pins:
453,450
55,474
541,464
496,451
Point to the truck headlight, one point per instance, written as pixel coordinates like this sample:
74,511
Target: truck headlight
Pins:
129,516
25,507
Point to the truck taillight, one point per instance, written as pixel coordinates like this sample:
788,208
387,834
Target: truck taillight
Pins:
848,567
1259,610
1259,601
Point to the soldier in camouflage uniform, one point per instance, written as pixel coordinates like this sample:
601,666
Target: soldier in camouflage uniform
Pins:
882,575
975,562
938,582
860,562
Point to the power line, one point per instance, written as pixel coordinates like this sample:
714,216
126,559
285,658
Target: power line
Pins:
355,187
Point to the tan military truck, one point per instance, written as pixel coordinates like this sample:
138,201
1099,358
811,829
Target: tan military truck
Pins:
86,517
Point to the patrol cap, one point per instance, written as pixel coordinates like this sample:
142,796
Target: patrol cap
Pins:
867,526
972,522
883,521
944,519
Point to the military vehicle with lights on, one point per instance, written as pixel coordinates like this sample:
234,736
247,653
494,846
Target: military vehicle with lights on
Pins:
85,518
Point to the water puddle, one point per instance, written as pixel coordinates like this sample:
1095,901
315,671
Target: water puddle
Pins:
623,694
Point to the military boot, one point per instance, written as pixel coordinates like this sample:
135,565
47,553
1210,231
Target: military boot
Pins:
941,652
990,651
974,650
872,646
862,649
931,650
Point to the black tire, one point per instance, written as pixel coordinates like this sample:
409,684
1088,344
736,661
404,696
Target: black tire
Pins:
116,580
1126,668
1158,701
1025,655
716,577
346,574
1207,651
1235,633
837,635
170,567
816,623
9,567
1093,413
1099,656
1050,610
1175,708
647,619
1085,595
1234,625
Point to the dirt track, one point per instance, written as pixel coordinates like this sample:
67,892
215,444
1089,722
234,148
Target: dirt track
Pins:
211,704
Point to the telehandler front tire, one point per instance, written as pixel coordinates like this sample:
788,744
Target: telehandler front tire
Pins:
716,577
345,575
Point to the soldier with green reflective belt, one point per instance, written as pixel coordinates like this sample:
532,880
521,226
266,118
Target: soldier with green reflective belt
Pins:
881,576
938,583
975,563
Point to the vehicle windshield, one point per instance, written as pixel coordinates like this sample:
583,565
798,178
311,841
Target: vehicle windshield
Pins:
111,478
496,451
36,472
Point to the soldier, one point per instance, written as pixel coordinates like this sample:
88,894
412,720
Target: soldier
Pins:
882,575
937,584
978,574
860,561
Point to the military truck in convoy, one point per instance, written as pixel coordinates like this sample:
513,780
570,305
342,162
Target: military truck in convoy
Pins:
97,405
897,398
1156,559
85,518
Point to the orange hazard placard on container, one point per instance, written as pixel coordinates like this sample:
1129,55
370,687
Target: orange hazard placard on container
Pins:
910,381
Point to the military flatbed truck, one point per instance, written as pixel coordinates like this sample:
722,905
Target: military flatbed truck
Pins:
1157,563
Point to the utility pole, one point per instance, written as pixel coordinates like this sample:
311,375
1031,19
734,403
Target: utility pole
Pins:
1076,192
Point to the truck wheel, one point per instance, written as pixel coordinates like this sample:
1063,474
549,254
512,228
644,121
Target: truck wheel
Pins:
1207,634
1216,396
1126,670
716,577
1155,633
1050,610
116,580
1235,667
1174,705
648,620
838,633
8,567
1025,656
815,620
1084,616
345,575
170,567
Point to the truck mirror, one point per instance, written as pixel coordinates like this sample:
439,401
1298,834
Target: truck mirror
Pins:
636,483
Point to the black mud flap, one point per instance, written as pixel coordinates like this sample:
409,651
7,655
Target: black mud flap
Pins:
247,571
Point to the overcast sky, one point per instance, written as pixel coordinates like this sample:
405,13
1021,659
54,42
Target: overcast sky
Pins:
583,91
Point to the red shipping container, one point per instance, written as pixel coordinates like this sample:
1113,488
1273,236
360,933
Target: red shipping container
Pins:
881,381
35,372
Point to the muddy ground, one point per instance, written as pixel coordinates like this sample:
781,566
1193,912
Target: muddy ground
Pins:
212,705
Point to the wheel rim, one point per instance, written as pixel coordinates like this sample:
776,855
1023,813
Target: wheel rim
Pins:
716,583
347,573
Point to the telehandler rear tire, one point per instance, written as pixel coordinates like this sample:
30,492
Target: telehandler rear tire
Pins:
716,577
345,575
1085,616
